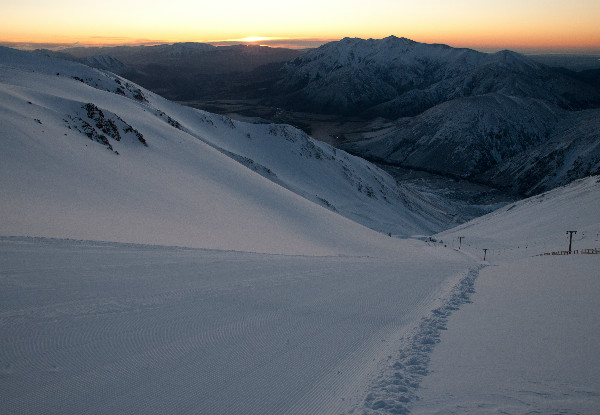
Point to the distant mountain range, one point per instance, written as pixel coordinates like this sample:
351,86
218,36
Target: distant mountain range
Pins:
185,71
501,119
199,57
397,77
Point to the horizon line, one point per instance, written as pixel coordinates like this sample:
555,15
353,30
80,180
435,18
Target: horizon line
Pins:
278,42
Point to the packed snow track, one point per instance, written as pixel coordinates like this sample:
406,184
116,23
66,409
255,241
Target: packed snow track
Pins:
104,328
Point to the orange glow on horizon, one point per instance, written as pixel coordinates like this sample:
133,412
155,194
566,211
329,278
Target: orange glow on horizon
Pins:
253,39
488,42
509,24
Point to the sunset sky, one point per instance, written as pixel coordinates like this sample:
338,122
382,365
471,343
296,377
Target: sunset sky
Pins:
516,24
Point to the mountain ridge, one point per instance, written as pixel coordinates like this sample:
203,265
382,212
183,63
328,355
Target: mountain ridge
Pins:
395,77
455,112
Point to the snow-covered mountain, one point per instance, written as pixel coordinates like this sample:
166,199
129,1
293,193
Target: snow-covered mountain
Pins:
500,119
571,152
519,144
90,155
394,77
463,136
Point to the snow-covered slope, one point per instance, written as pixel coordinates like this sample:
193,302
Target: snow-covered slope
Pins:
329,177
528,342
538,224
98,326
463,137
523,145
90,155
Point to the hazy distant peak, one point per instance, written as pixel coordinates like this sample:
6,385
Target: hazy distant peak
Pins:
185,45
184,49
194,45
513,60
509,55
105,62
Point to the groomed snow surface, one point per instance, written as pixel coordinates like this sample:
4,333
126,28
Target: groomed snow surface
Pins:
196,272
527,344
110,328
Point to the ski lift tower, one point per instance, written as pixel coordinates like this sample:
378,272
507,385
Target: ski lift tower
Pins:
571,239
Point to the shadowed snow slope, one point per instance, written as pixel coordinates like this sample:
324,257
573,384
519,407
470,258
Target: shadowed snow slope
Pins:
538,224
529,341
88,155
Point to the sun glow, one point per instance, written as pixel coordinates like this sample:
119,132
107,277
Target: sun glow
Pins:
256,39
508,24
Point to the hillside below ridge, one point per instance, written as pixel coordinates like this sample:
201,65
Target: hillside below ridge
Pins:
175,174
